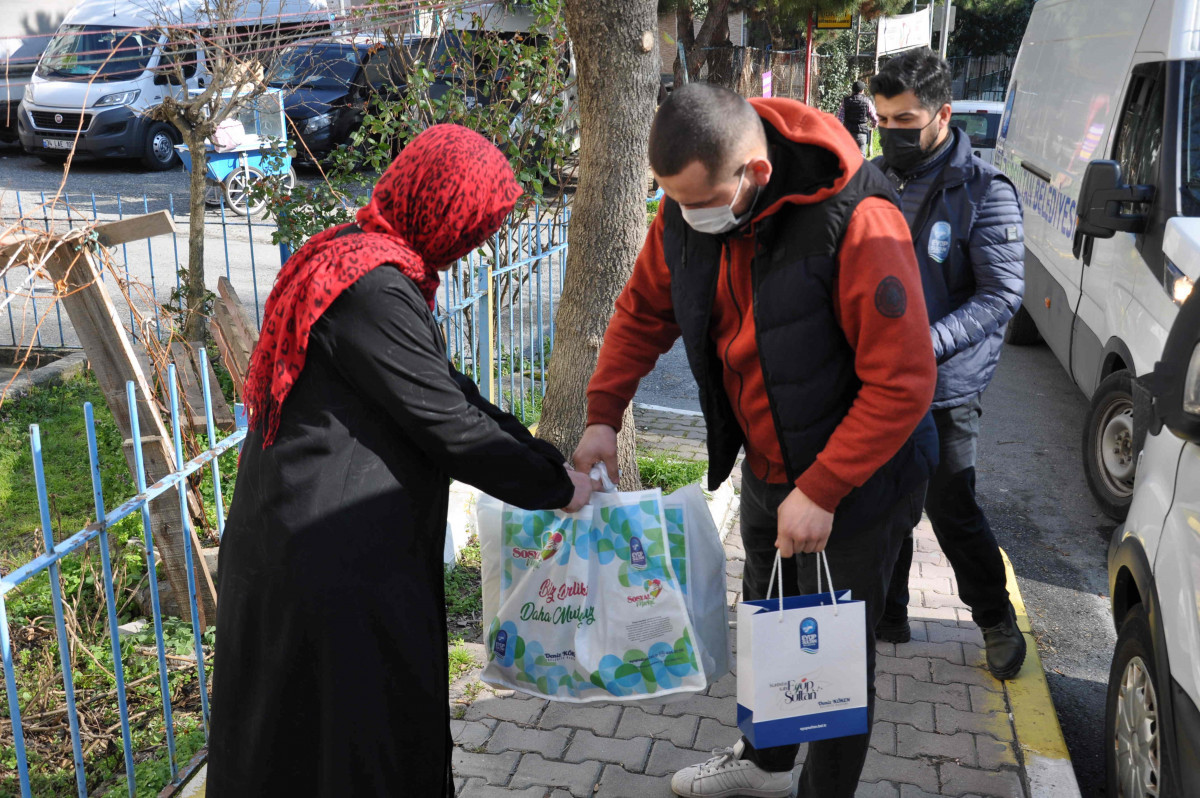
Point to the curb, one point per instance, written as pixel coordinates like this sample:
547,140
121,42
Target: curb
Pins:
57,372
1048,766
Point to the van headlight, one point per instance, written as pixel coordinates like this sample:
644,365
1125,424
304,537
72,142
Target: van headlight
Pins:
28,95
119,98
1178,285
318,122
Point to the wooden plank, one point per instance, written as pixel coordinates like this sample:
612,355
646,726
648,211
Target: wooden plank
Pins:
238,309
114,361
187,369
239,379
135,228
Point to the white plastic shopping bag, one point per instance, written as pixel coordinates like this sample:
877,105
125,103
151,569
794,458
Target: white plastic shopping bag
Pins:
699,561
802,665
589,606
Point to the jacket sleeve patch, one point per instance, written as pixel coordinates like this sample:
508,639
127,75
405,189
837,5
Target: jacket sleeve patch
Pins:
891,300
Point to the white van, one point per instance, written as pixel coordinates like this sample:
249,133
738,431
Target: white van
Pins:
1152,723
105,69
980,120
1101,134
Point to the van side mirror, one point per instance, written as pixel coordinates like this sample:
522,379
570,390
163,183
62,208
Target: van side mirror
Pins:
1175,381
1100,200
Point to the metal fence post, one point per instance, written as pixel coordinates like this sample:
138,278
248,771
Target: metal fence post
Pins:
486,334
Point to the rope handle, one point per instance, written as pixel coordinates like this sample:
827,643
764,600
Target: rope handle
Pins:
777,578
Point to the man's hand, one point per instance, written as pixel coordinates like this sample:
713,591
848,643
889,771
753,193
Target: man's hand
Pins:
598,445
803,526
583,491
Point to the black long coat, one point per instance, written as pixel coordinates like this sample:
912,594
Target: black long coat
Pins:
331,663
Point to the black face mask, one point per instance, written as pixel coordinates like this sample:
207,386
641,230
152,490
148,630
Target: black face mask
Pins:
902,148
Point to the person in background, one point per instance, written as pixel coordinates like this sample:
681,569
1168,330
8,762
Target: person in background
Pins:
967,228
857,113
330,679
780,257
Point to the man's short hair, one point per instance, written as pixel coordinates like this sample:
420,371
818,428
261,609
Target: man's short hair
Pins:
920,71
859,87
701,122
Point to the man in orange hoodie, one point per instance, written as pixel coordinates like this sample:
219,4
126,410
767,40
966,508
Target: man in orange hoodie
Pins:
781,258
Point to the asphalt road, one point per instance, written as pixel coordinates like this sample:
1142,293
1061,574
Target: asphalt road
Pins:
1031,484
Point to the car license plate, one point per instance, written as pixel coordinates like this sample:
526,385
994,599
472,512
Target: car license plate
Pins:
57,144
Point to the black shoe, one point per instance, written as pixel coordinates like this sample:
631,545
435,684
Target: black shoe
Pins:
1005,647
890,630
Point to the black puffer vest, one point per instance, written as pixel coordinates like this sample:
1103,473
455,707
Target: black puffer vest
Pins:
807,363
856,114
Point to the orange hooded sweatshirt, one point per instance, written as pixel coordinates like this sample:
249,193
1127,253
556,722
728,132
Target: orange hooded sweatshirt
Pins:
893,354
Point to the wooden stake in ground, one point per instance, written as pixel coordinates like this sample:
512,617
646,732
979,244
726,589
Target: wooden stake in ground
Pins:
74,267
616,49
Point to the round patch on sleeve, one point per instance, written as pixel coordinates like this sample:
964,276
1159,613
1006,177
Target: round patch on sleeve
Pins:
891,300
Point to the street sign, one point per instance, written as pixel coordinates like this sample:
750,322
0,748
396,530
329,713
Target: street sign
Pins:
903,32
827,20
768,83
937,19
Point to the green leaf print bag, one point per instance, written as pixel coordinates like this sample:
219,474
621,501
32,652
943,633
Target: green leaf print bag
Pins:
586,606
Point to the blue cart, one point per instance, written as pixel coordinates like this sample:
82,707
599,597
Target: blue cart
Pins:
233,173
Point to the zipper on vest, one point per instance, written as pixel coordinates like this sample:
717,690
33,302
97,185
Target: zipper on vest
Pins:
727,255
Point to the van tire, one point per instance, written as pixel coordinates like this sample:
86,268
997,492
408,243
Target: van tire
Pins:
1135,673
1021,330
160,138
1109,460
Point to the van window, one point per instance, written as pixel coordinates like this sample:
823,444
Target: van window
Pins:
84,51
1140,130
1191,139
182,54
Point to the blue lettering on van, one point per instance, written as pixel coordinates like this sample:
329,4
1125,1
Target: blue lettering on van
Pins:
1056,207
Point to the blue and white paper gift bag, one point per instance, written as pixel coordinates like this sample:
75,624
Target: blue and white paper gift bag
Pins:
801,666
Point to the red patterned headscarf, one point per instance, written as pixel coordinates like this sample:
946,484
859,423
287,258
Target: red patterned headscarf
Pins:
441,198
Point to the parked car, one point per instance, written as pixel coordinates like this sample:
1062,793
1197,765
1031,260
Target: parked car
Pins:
323,84
1100,133
980,120
1152,723
107,67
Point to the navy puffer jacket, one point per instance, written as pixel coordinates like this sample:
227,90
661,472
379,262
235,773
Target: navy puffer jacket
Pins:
970,243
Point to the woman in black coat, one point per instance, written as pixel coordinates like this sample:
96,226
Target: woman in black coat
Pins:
331,665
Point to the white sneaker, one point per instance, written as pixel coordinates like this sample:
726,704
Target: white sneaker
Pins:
726,774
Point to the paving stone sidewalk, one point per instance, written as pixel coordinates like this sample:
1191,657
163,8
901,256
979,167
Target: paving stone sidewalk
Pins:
943,724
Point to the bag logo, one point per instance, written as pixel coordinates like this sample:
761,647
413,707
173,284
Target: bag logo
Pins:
809,639
653,587
552,545
939,242
637,555
501,644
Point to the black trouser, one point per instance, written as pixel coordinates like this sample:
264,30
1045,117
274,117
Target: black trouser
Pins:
862,140
962,529
859,560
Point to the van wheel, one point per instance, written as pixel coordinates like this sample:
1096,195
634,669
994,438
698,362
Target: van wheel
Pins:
1135,757
1109,459
160,154
1021,331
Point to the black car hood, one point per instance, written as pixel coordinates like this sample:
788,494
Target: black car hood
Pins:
303,103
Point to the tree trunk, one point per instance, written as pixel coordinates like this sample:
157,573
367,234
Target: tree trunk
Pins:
718,15
686,32
195,326
618,82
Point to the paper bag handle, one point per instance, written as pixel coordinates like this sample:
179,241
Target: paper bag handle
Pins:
777,578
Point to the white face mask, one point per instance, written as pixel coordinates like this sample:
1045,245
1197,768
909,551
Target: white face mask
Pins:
718,220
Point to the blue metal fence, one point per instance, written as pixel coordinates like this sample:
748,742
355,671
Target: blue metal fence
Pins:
98,532
496,306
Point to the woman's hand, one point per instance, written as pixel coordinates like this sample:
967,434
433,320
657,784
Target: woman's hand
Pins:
583,491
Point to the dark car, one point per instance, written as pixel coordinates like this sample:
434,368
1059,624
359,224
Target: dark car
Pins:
324,86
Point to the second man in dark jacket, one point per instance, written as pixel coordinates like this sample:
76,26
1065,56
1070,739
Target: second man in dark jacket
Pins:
966,226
